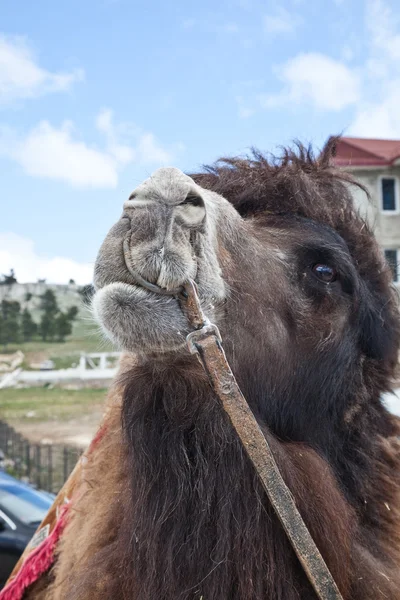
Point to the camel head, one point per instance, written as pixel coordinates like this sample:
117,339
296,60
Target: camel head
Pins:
284,265
300,291
169,230
277,251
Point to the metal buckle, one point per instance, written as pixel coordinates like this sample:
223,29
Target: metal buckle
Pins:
194,338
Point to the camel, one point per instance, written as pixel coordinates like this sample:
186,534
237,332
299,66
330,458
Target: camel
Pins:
170,506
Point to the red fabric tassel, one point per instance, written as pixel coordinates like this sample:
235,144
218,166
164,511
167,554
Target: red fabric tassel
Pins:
37,562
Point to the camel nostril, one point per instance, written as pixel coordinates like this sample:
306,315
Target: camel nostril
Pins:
192,210
193,200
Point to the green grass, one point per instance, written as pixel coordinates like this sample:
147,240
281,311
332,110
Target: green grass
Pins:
48,404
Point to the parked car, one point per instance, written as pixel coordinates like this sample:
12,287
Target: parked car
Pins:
22,508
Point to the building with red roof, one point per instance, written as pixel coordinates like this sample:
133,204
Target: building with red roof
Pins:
376,164
362,152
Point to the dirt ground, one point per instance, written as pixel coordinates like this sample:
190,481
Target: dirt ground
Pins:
75,432
57,415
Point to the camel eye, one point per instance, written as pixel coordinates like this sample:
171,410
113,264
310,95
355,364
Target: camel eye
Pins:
324,273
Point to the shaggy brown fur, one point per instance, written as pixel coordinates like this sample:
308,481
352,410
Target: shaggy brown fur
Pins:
95,519
171,507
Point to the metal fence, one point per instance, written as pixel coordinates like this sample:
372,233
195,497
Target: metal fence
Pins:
46,466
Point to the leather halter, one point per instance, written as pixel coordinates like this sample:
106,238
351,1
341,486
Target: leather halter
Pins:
151,287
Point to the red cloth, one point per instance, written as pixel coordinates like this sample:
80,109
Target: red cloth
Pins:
37,562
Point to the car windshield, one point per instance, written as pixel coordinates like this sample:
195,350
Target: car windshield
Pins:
26,505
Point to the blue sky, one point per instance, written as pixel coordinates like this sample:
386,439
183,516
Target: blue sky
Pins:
96,95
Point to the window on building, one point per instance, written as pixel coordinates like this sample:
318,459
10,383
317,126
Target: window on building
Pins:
388,193
392,260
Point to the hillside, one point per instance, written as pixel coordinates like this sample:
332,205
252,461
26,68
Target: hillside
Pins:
85,335
28,295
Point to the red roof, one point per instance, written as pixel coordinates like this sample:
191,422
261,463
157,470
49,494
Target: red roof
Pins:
361,152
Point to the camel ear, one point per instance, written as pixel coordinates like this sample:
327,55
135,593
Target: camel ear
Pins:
379,329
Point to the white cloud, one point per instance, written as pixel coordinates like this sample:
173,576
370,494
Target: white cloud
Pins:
382,24
376,69
149,151
315,79
122,153
58,152
18,253
53,153
380,119
281,21
21,77
377,113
